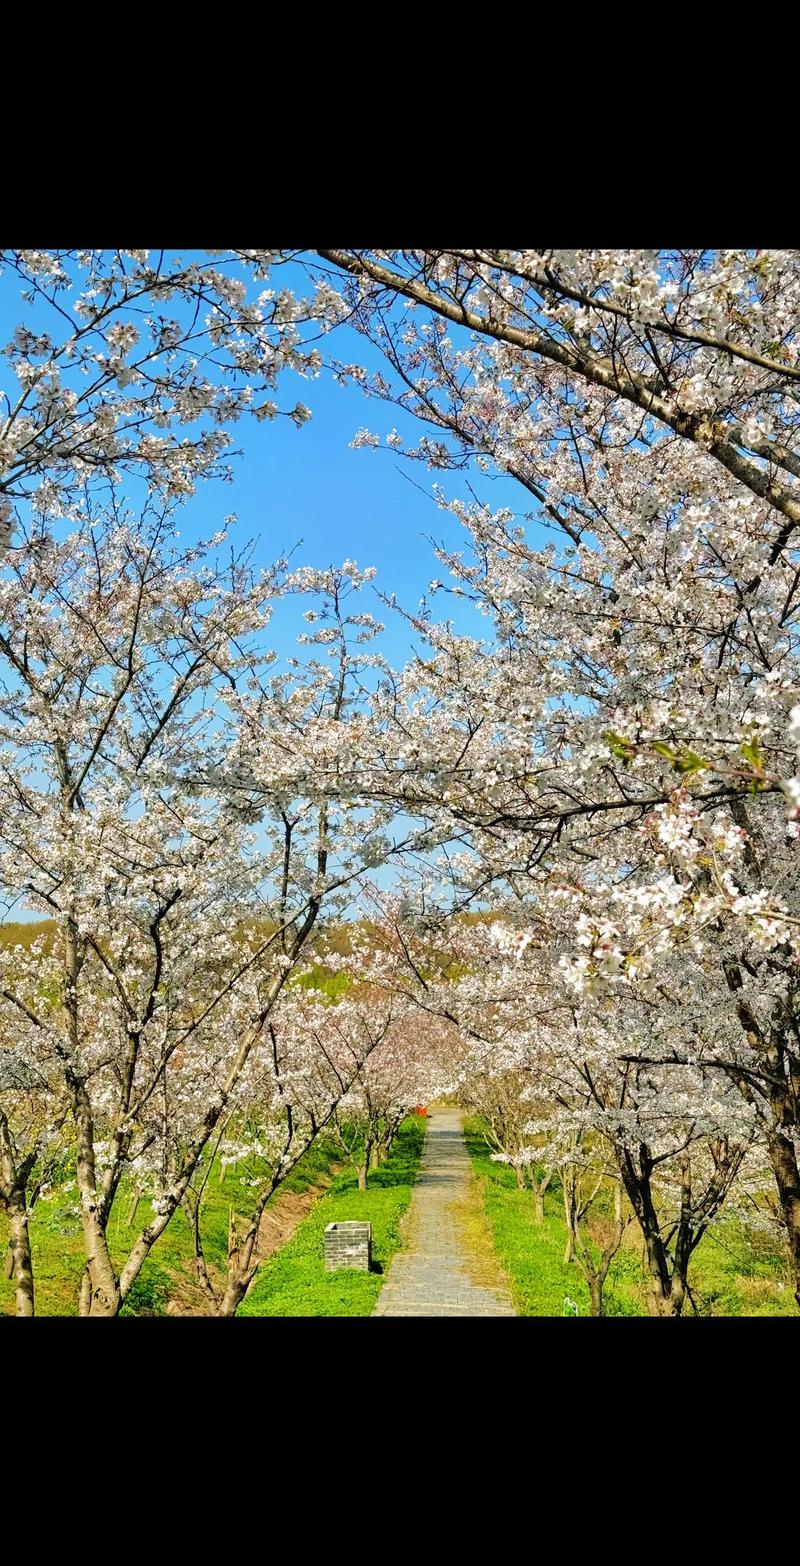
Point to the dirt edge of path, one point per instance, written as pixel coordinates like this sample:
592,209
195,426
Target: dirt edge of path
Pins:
481,1262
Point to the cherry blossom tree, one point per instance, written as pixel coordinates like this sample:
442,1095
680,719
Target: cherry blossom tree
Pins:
594,1235
626,744
135,683
598,1096
612,769
111,644
170,811
320,1047
503,1100
33,1152
352,1062
135,364
401,1070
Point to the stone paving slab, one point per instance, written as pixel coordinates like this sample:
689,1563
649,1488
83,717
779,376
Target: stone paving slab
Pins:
431,1278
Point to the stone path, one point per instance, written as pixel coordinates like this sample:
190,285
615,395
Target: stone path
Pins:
432,1278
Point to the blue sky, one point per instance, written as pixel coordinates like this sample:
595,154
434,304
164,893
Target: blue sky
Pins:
307,488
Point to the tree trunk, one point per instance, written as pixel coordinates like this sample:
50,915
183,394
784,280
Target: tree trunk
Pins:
671,1305
99,1289
540,1190
667,1289
661,1302
568,1182
133,1209
787,1178
102,1297
103,1293
232,1298
239,1281
14,1176
596,1295
664,1301
520,1174
84,1292
20,1247
362,1177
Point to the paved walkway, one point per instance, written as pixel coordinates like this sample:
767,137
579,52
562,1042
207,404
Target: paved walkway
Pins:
431,1278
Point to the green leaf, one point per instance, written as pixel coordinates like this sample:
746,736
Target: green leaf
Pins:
689,763
618,746
752,753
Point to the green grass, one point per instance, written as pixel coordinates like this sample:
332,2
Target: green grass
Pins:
171,1257
294,1283
57,1239
285,1286
318,977
733,1274
730,1274
532,1253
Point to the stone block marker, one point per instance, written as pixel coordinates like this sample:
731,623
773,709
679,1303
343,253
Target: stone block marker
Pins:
348,1245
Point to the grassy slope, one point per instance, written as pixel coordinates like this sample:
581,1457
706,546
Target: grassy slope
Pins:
290,1284
293,1283
729,1277
57,1241
56,1237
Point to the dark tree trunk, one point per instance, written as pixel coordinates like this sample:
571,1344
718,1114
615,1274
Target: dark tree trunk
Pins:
787,1178
596,1295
